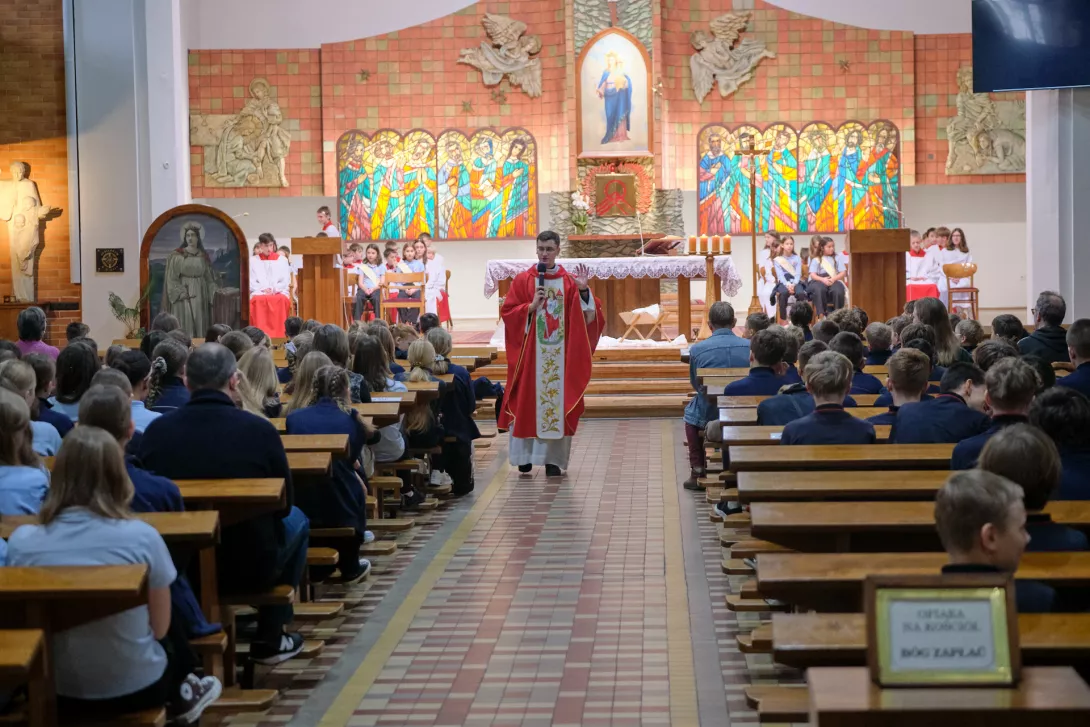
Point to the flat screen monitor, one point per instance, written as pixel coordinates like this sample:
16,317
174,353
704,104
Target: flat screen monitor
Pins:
1030,44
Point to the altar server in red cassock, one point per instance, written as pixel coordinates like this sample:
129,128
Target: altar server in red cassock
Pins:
551,331
270,283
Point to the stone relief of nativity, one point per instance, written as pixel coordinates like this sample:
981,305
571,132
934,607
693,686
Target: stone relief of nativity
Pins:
986,136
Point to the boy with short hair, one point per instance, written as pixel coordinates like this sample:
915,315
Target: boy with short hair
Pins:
922,346
766,351
897,324
906,382
847,319
970,333
988,353
879,344
1027,457
1064,415
801,315
795,340
1078,350
756,322
794,401
1011,385
45,373
981,521
955,414
825,330
76,329
828,379
851,347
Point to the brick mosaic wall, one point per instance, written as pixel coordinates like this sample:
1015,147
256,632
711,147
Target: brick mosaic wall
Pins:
938,58
32,129
412,80
823,72
219,83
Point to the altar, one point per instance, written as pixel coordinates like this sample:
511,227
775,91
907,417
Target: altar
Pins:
626,283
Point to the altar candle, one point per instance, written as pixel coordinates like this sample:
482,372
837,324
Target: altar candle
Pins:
724,245
691,249
703,244
715,245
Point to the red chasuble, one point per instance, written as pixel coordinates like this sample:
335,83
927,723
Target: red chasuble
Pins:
548,357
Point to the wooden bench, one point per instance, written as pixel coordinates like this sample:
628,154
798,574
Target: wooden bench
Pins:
334,444
826,527
763,436
704,373
303,464
833,582
193,529
857,485
748,417
747,402
806,457
840,639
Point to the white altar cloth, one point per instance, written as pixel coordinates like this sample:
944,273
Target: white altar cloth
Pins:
648,266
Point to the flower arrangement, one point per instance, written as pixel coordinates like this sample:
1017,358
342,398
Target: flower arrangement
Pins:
579,216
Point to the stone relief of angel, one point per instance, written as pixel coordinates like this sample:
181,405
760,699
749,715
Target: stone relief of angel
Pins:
508,54
724,56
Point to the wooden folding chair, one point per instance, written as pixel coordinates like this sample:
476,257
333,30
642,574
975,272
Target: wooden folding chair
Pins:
395,283
970,295
446,292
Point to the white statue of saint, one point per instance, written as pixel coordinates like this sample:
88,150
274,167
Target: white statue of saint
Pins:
22,209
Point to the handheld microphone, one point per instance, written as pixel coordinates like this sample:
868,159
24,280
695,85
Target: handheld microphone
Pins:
541,275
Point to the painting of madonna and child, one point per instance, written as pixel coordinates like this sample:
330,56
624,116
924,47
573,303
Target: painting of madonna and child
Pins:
454,186
614,97
193,263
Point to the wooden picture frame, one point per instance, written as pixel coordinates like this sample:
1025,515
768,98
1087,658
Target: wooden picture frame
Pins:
642,121
164,238
998,593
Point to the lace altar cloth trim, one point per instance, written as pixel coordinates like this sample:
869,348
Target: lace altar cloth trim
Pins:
668,266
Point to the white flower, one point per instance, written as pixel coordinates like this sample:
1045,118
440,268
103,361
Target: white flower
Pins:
578,201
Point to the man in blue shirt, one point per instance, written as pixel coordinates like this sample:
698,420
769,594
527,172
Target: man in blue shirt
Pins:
1011,385
981,521
957,413
1064,415
724,350
1078,349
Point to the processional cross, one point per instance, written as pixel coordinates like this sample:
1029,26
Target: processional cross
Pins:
746,149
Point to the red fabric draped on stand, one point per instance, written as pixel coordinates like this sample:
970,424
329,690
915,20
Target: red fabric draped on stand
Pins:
268,312
915,291
520,404
442,307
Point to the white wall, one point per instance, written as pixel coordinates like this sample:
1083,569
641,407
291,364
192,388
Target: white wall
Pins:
918,16
295,24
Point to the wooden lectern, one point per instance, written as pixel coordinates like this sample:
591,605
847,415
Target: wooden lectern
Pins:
320,283
878,271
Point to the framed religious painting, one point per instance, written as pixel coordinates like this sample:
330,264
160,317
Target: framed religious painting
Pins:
194,263
614,103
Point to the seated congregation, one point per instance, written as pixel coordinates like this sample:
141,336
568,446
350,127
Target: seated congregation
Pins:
90,446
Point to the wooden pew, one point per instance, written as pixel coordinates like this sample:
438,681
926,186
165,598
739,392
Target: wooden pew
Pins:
59,598
334,444
424,390
309,463
827,527
742,417
22,662
858,485
841,457
833,582
753,436
840,639
747,402
236,500
190,529
737,373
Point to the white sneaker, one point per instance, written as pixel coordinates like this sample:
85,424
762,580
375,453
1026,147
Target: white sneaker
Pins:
446,478
436,478
368,537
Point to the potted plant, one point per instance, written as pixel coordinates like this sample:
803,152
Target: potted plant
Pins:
129,317
579,216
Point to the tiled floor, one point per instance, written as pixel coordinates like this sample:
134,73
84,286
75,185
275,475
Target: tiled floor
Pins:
542,602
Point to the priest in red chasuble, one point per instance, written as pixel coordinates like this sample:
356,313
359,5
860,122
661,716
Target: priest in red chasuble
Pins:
552,324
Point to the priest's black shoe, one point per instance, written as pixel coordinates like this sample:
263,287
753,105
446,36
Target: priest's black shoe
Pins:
525,468
551,470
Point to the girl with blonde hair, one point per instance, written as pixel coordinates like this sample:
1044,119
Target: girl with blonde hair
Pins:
456,407
259,389
116,664
304,394
948,350
18,377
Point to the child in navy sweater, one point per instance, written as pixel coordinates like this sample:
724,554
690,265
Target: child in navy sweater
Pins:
851,347
906,382
766,351
828,379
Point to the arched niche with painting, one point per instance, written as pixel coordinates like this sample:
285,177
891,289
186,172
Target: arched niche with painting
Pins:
196,261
